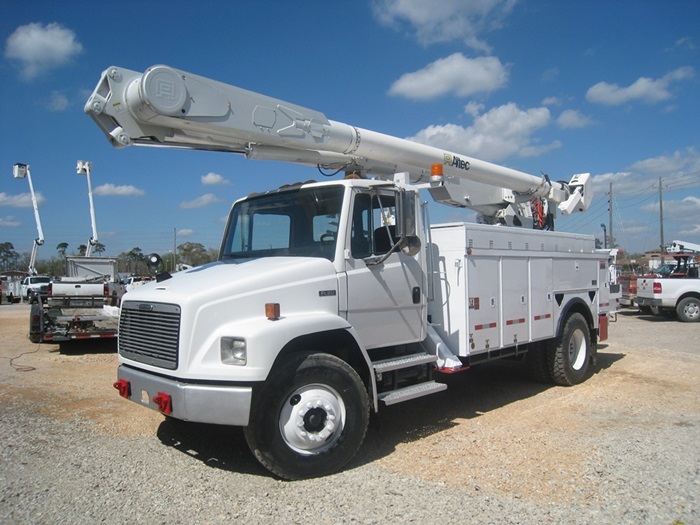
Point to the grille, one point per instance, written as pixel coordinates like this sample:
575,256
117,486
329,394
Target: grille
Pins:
149,333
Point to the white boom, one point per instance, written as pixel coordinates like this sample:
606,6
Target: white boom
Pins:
19,171
84,168
167,107
683,247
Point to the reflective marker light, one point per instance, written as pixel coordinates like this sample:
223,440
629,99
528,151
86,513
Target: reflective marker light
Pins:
233,351
272,310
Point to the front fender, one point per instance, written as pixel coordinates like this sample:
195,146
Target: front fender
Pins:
265,338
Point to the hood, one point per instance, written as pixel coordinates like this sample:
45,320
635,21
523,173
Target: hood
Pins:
226,280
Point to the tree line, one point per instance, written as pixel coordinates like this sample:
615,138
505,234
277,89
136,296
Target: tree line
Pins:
129,262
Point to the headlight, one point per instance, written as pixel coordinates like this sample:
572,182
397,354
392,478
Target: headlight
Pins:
233,351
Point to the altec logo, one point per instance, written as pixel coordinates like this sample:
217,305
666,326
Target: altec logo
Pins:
454,160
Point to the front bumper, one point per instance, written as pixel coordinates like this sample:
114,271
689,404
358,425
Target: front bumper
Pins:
201,403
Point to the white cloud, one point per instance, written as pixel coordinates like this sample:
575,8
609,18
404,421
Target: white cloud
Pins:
446,20
685,43
690,230
679,162
200,202
9,222
644,89
550,75
23,200
455,74
39,48
570,118
676,210
57,102
499,133
678,169
552,101
185,232
213,179
110,190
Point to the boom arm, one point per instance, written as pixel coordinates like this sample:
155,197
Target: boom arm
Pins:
19,171
84,168
170,108
683,247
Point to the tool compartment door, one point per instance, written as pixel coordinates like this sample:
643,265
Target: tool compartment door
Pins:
515,300
483,304
542,300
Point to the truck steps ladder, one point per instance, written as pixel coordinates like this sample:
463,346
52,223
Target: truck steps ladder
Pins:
407,361
411,392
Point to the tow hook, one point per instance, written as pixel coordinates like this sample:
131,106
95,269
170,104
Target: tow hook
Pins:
164,402
124,388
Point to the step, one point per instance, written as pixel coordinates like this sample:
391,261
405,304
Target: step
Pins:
406,361
411,392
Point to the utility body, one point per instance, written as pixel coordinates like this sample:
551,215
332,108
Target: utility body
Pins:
332,299
679,292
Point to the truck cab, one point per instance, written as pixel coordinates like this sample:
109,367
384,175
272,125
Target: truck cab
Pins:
31,287
323,255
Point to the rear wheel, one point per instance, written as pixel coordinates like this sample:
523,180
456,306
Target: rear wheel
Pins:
569,355
309,418
688,310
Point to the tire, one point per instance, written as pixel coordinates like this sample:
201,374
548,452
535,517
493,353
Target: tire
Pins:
688,310
569,356
309,417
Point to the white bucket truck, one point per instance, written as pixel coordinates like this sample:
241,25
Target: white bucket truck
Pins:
332,299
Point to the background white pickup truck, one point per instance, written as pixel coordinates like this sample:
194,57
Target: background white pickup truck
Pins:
31,287
668,295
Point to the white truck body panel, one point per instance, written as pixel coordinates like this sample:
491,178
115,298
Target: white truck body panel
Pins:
80,267
497,285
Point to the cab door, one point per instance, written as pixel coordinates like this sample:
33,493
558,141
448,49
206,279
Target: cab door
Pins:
386,299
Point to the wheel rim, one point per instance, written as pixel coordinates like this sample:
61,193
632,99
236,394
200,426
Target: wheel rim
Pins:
312,419
692,310
577,350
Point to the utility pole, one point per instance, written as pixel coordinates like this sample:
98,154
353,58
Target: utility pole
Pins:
610,218
661,214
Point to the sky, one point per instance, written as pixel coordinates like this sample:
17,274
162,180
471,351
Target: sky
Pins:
554,87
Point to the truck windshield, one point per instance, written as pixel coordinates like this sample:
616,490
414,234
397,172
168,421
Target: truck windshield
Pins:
293,223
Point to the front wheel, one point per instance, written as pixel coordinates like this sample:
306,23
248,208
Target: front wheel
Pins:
309,418
569,356
688,310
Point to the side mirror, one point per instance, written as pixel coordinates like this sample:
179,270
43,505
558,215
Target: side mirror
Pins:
406,225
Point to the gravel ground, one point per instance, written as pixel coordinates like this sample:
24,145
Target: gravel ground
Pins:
494,448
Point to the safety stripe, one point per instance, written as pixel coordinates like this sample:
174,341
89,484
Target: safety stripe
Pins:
485,326
540,317
515,321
